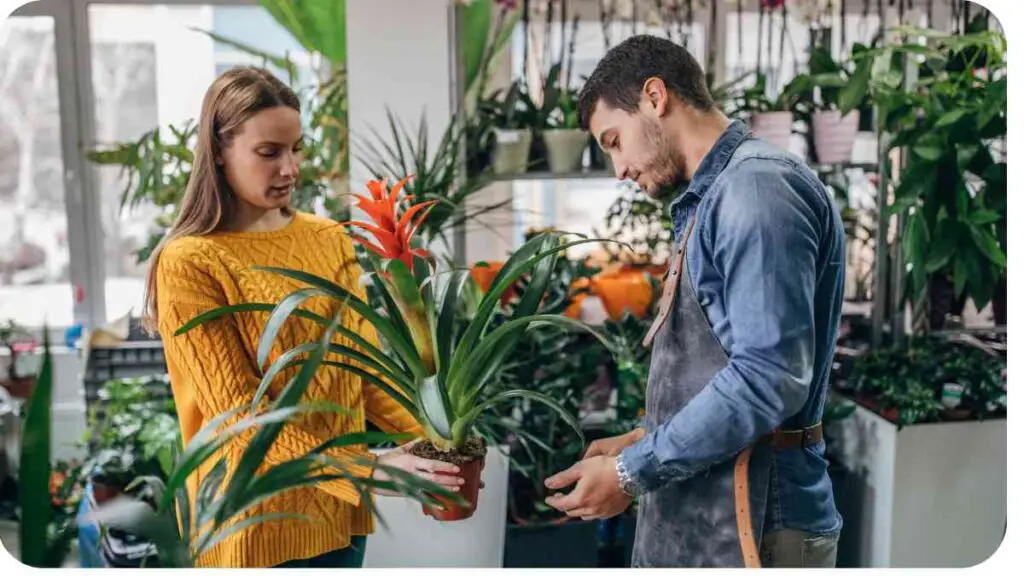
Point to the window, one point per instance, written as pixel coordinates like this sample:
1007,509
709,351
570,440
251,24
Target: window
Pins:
151,67
34,255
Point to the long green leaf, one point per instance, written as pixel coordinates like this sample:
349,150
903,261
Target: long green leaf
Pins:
319,25
211,315
280,363
256,452
277,318
489,356
467,420
34,466
387,330
215,538
279,61
389,390
444,341
434,401
507,275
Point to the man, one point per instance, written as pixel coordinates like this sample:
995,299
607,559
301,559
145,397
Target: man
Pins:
729,463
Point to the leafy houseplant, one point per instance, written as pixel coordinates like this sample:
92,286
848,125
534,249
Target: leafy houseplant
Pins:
433,365
563,139
163,512
953,187
770,118
510,114
832,117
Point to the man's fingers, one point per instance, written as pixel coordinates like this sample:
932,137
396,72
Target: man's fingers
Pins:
592,450
564,478
563,502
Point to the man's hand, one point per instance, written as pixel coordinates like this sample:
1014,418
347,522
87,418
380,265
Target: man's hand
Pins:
597,493
613,446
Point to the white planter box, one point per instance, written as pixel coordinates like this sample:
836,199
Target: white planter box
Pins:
414,540
929,495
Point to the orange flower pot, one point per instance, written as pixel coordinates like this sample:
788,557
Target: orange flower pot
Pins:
450,511
624,289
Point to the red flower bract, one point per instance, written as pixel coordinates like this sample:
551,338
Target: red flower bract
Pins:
393,233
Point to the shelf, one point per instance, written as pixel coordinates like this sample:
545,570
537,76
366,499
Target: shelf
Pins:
528,176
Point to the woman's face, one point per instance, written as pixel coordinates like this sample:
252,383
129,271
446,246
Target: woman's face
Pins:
261,164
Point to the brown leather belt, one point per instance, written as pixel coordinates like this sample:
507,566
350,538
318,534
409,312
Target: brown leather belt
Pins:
794,438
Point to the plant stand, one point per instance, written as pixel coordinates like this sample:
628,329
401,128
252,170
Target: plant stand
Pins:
414,540
927,495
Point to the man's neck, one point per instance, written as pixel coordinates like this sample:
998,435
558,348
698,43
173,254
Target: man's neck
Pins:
699,135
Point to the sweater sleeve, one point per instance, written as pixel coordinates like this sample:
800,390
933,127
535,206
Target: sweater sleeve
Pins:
211,363
381,409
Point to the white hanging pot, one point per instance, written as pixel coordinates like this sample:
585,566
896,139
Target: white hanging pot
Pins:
511,150
834,135
565,148
774,127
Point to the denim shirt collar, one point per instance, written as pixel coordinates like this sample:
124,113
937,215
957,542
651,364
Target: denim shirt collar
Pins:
708,170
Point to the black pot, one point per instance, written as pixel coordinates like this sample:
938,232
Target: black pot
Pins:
567,545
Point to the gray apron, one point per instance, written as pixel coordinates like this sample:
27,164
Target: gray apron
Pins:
715,518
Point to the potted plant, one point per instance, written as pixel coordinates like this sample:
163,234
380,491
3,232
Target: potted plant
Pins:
953,187
512,130
432,362
16,340
833,118
563,139
770,118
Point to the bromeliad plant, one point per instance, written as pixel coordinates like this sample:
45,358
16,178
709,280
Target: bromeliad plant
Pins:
435,360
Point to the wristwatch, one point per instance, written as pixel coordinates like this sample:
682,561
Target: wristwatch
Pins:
626,482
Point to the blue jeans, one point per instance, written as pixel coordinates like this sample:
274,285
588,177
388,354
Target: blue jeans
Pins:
351,557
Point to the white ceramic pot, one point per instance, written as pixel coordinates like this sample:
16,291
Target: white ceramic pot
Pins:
511,150
565,149
834,135
774,127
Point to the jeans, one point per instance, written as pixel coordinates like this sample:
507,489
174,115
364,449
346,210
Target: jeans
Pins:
797,549
351,557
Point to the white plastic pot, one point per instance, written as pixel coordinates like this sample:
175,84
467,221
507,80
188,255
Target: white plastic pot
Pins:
834,135
565,149
774,127
511,150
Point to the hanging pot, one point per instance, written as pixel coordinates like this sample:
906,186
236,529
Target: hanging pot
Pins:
511,150
774,127
565,149
834,135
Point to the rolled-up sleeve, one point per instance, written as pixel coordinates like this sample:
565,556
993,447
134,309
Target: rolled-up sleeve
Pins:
763,232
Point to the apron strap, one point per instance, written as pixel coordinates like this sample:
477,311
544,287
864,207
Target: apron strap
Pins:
670,288
744,525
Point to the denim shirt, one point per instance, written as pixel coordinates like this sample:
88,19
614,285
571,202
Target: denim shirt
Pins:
766,260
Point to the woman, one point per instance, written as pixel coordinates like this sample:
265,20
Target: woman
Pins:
236,215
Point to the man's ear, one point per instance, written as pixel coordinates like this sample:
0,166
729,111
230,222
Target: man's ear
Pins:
655,95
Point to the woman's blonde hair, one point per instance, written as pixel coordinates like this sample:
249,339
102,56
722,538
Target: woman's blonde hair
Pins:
234,97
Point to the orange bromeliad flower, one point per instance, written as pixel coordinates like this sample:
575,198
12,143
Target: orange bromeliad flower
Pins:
393,234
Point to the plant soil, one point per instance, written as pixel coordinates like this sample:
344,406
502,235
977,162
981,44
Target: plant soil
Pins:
474,449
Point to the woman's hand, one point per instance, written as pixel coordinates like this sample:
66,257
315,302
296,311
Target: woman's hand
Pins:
432,470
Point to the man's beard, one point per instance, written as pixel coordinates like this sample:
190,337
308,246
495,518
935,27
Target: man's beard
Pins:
667,167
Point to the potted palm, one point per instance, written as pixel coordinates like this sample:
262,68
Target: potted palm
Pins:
435,359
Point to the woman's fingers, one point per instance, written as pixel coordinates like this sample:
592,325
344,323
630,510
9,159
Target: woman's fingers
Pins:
436,466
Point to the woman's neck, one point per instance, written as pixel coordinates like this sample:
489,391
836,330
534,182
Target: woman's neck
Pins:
248,218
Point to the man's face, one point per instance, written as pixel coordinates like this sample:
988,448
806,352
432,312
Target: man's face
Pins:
640,148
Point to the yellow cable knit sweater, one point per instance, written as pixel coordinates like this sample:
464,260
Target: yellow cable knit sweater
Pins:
213,369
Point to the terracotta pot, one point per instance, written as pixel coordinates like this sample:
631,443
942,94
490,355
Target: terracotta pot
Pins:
834,135
103,492
624,289
956,414
21,387
774,127
470,492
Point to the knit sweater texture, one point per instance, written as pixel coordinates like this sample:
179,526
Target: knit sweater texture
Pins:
213,369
